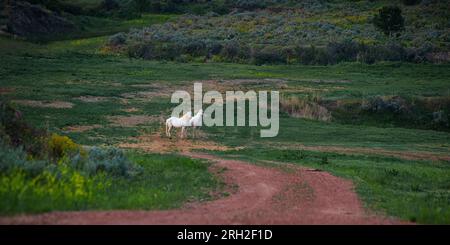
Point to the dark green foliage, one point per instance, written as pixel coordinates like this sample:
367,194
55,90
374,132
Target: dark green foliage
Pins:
230,50
15,131
59,6
408,112
109,5
195,48
268,55
344,51
411,2
389,20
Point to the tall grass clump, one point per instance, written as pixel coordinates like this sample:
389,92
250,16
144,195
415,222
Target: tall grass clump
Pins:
305,108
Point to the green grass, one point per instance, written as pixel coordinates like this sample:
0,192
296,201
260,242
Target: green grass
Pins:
315,133
167,182
65,70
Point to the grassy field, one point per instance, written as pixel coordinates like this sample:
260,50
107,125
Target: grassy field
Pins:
400,171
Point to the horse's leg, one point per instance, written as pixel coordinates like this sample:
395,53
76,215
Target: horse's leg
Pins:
167,133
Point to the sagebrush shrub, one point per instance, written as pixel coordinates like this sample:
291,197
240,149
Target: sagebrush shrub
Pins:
110,160
16,159
117,39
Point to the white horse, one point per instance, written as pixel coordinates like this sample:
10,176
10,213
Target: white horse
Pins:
196,121
178,123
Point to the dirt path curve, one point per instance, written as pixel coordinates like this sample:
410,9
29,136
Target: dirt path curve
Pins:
264,195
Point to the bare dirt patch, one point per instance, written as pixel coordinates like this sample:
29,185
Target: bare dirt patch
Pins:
264,196
81,128
133,120
7,90
157,89
45,104
241,84
331,81
147,95
131,109
92,99
157,144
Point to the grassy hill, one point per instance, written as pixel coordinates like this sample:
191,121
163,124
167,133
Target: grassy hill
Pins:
306,32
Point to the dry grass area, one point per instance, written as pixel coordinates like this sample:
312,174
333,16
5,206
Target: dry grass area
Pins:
81,128
164,90
131,109
158,144
147,95
133,120
330,81
92,99
300,108
45,104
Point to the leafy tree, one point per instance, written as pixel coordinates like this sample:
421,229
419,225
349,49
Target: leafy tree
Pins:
411,2
389,20
142,5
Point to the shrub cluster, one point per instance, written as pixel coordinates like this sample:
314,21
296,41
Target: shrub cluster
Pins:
33,151
425,113
286,37
233,51
112,161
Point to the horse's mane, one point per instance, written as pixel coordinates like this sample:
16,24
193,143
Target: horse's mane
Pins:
186,116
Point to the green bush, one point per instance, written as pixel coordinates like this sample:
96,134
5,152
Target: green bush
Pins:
342,51
230,50
389,20
268,55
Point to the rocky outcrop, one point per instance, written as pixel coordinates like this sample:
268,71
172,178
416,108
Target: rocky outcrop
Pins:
33,21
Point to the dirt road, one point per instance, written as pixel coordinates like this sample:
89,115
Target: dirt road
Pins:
264,195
